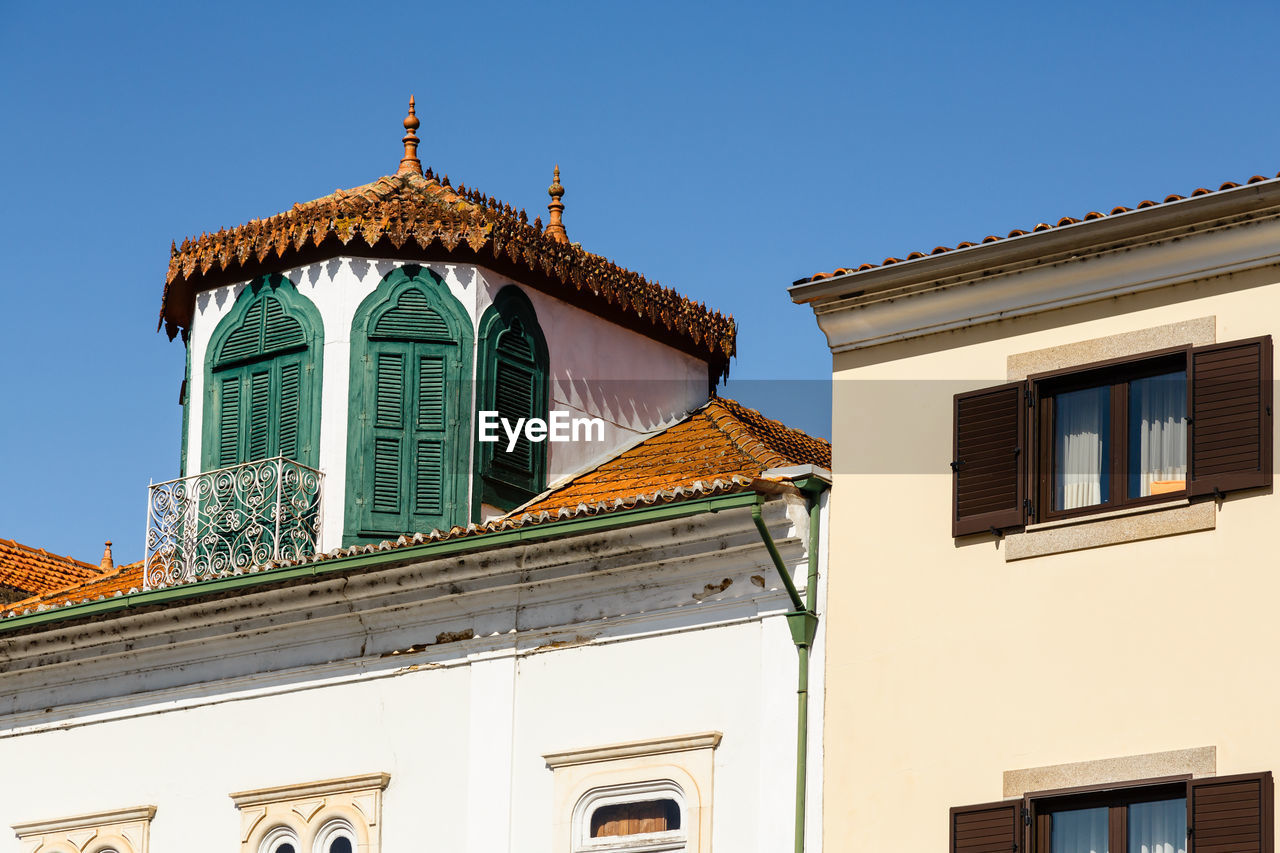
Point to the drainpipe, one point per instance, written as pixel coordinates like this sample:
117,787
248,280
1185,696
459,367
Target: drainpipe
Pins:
803,622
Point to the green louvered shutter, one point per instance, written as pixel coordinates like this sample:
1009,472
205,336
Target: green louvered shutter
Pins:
406,481
429,438
263,382
290,410
388,470
229,422
516,390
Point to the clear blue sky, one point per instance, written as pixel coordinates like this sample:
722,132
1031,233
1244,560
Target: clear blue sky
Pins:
724,149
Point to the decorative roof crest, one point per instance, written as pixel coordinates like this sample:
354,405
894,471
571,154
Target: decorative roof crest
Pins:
410,162
555,228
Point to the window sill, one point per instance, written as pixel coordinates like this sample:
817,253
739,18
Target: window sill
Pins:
1101,516
1111,528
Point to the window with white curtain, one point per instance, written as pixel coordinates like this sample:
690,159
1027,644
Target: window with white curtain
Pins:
1113,436
1123,822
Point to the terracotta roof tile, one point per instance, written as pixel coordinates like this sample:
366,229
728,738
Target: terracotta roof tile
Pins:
721,448
1018,232
121,580
35,571
407,214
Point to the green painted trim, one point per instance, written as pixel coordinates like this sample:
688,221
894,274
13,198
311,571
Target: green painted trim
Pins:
356,526
304,311
430,550
186,408
509,305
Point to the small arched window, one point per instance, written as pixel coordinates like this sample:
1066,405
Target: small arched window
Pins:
281,839
637,816
263,378
336,836
512,372
410,409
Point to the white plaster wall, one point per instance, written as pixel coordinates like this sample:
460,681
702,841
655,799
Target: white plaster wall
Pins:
634,383
629,654
465,776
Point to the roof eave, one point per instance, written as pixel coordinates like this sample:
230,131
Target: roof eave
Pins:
1054,244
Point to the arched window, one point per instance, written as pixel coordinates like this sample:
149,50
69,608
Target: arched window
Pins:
281,839
262,378
410,409
512,375
336,836
635,816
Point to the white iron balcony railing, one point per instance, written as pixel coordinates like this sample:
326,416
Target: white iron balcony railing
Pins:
231,518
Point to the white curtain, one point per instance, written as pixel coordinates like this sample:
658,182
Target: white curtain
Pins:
1081,423
1079,831
1158,827
1157,434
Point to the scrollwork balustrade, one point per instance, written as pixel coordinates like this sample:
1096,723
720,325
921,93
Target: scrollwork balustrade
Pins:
231,519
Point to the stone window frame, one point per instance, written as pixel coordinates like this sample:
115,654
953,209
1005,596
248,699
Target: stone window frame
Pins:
313,814
125,830
682,767
1109,526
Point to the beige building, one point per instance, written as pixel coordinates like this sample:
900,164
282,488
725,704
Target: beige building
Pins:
1054,569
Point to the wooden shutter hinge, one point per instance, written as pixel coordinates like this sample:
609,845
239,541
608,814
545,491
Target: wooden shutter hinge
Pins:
1026,816
1029,506
1028,396
955,464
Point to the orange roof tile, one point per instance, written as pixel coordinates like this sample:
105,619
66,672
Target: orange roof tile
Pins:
35,571
723,440
122,579
1018,232
408,215
720,448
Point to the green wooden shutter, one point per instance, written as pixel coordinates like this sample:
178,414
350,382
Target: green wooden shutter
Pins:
280,331
429,436
229,422
514,395
289,409
386,485
259,416
407,458
246,340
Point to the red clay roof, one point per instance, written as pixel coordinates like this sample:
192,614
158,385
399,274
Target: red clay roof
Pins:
36,571
723,440
409,215
1018,232
721,448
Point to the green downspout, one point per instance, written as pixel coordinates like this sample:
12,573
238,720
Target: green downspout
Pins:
803,622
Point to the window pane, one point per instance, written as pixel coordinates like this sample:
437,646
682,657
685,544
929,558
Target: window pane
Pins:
1080,831
341,844
1158,434
1082,452
1158,827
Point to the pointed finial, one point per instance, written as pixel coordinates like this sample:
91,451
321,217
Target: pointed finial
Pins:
107,563
555,228
410,162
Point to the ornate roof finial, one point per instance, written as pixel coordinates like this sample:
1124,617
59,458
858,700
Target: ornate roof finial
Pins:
410,162
107,563
555,228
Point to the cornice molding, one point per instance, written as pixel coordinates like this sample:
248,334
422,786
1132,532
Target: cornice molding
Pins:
307,790
633,749
85,821
872,317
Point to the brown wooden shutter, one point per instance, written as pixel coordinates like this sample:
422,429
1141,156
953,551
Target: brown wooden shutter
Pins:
1231,814
1231,398
989,483
988,828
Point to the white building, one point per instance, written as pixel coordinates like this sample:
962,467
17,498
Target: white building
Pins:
362,629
